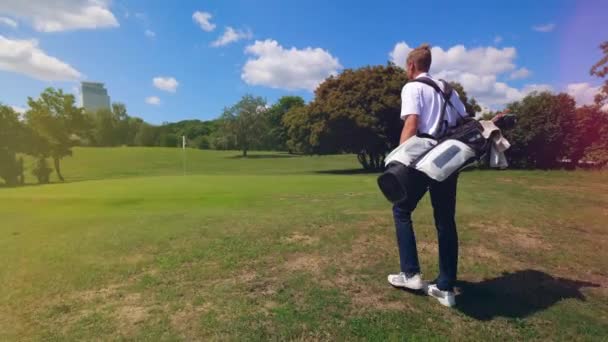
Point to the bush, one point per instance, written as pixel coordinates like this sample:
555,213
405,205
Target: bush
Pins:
201,142
42,171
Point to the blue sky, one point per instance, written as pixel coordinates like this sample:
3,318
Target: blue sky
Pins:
499,50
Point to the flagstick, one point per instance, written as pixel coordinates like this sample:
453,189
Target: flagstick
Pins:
184,153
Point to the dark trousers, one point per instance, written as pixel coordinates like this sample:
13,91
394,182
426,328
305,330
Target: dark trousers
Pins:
443,198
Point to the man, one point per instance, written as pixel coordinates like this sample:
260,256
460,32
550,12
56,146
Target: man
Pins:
421,109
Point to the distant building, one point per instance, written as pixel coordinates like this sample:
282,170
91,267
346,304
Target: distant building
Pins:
94,96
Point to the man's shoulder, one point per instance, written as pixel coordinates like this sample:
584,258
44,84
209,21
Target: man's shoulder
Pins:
412,85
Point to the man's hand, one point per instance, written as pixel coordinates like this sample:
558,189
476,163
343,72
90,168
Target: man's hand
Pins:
409,128
500,115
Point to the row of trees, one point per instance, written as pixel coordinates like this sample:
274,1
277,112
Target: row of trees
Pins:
53,125
48,129
357,112
354,112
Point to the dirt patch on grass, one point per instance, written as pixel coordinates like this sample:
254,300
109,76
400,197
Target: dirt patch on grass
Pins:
305,262
365,251
134,259
128,316
479,251
509,235
187,319
301,239
364,301
102,294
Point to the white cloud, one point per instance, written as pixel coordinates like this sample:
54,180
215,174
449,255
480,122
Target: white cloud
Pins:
61,15
276,67
497,39
230,36
150,34
19,109
477,69
8,22
153,100
481,60
165,83
584,93
519,74
204,20
544,28
26,57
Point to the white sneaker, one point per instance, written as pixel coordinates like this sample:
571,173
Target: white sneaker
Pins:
401,280
446,298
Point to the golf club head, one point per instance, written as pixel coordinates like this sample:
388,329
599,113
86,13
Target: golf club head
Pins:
508,121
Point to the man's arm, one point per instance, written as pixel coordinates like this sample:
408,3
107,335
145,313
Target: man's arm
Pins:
409,128
410,109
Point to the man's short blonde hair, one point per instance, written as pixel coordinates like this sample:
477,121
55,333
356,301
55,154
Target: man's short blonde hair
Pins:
421,57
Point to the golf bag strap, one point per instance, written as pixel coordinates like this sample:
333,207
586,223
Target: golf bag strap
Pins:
446,94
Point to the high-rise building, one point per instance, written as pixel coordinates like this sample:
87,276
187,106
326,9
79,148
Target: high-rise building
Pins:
94,96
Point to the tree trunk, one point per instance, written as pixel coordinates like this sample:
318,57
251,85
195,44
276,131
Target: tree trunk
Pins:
58,169
21,172
244,152
362,157
371,161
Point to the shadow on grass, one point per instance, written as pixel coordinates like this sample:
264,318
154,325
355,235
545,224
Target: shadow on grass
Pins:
516,295
265,156
27,185
360,171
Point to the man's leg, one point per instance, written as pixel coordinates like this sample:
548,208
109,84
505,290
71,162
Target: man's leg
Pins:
402,213
443,198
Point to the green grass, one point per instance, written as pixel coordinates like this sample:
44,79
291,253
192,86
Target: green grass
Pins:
288,247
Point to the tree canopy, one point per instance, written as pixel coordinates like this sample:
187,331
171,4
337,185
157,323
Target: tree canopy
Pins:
538,139
55,118
600,69
245,122
354,112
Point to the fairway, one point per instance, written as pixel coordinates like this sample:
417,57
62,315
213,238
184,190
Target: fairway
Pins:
151,244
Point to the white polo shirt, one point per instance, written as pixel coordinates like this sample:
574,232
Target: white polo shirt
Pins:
422,100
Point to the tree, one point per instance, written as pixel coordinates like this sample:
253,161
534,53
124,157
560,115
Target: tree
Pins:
299,122
42,171
245,122
471,105
598,150
11,142
277,133
55,118
539,139
105,124
146,134
584,131
600,69
121,120
354,112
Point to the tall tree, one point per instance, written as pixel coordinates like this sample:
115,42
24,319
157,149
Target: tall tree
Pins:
276,131
121,119
105,124
598,150
245,122
55,118
11,142
354,112
600,69
539,139
584,132
146,134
